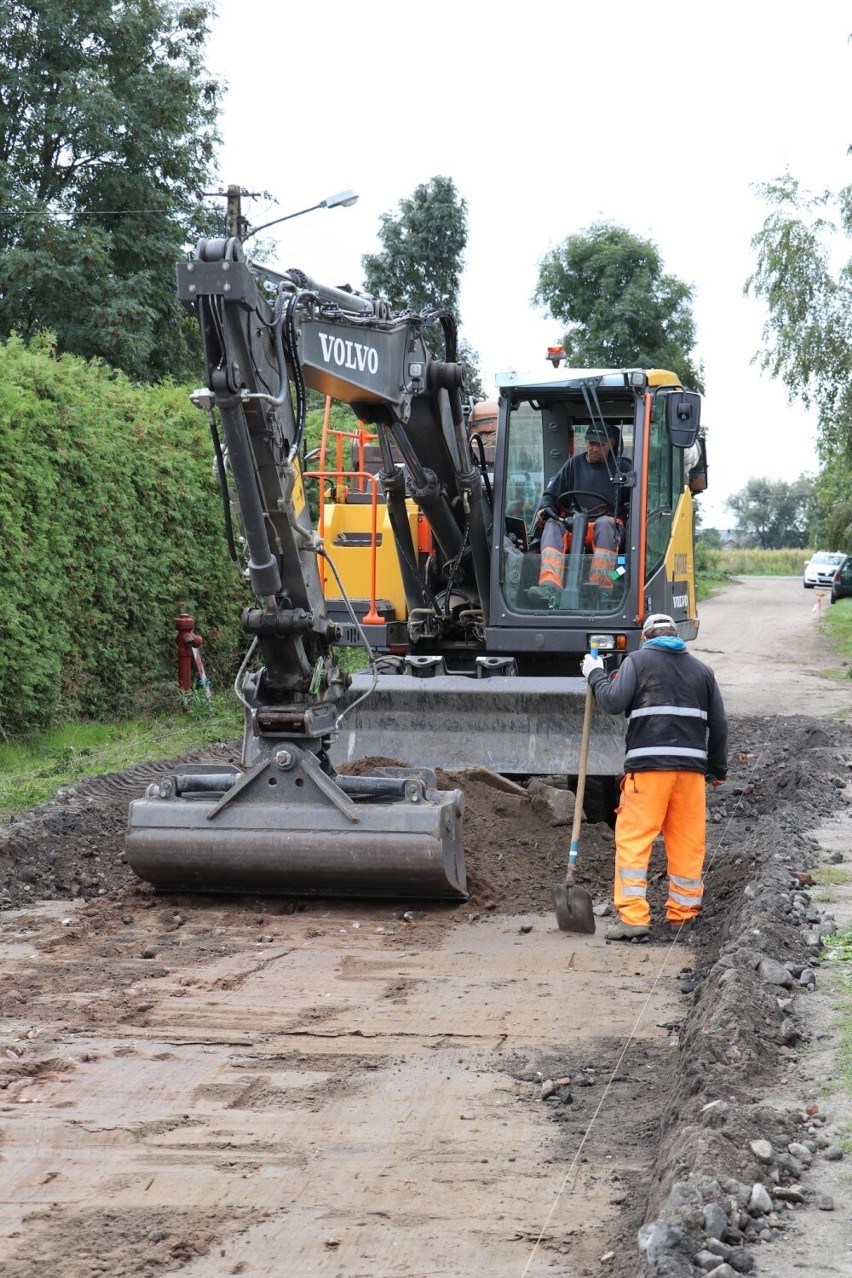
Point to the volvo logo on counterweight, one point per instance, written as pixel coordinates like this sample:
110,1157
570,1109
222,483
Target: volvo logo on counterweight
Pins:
346,354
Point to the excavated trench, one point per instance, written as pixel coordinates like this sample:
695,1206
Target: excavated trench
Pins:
206,1085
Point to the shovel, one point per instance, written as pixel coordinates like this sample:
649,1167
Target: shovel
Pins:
573,904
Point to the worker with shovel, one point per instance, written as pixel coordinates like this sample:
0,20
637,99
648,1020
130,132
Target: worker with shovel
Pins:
677,734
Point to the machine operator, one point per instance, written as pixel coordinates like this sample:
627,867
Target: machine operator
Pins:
589,475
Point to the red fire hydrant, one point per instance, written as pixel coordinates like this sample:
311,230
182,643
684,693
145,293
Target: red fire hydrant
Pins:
189,655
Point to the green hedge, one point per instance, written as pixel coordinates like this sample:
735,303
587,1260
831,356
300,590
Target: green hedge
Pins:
110,525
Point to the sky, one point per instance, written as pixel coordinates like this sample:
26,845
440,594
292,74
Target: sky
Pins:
660,117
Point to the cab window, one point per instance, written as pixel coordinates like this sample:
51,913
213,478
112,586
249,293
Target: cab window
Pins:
526,465
660,498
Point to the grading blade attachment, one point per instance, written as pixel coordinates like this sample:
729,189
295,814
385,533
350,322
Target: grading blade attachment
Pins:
511,724
287,827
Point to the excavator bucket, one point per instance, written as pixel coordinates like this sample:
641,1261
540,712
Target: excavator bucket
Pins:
516,726
286,827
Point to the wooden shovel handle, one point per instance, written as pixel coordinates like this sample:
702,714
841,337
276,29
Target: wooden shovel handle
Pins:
583,764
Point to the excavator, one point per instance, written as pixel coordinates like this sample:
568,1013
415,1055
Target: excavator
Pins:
485,675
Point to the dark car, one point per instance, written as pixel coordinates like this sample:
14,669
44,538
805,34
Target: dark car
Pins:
841,585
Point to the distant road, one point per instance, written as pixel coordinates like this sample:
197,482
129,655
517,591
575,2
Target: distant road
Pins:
762,638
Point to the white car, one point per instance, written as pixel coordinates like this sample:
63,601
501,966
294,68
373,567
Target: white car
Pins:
820,570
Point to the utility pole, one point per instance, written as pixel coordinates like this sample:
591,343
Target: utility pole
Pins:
236,225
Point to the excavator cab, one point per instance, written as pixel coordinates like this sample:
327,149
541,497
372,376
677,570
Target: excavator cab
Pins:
541,437
639,498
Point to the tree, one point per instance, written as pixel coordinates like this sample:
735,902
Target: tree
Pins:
710,538
107,135
771,513
622,310
420,264
808,332
830,509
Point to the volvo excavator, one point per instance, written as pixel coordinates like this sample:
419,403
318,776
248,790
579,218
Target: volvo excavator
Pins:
484,674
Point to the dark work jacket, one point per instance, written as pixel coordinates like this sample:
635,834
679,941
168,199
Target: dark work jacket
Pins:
579,473
676,721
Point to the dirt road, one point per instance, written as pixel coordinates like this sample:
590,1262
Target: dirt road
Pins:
275,1088
353,1093
763,639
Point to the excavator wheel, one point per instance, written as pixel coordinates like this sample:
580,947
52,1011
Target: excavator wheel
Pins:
389,663
601,799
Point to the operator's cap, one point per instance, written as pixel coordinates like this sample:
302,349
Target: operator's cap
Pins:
658,621
601,433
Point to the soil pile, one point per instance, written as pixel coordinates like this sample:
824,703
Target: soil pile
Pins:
74,847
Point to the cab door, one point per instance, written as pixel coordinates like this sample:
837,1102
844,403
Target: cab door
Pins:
669,562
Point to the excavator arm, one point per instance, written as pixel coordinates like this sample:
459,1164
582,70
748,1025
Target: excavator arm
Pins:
285,821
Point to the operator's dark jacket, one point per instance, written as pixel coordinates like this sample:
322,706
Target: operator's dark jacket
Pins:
676,720
580,475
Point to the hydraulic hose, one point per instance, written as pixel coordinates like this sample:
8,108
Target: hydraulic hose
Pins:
476,443
222,476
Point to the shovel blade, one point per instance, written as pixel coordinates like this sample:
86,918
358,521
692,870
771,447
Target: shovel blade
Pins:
573,906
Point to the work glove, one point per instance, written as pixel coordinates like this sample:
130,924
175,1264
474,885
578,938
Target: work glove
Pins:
591,663
542,516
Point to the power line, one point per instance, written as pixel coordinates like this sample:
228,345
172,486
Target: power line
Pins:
86,212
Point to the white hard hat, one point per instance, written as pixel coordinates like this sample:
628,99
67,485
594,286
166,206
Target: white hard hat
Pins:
658,621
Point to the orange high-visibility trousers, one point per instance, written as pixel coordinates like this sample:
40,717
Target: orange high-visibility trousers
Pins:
653,802
555,544
555,541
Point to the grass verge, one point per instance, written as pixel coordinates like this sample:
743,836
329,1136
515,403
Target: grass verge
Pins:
707,586
830,874
837,622
31,771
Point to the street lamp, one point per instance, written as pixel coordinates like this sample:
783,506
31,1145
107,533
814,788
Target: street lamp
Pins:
343,199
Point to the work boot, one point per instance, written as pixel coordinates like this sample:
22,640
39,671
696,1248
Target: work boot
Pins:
543,596
681,927
622,931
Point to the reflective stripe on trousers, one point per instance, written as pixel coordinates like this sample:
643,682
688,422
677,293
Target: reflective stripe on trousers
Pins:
552,567
555,542
671,803
604,557
602,568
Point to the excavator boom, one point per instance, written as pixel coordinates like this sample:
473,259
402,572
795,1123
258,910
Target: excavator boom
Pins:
285,821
